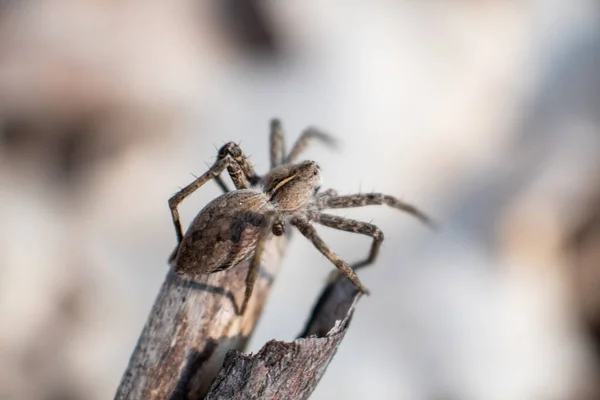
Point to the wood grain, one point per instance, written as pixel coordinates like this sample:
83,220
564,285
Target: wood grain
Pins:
190,347
291,370
192,326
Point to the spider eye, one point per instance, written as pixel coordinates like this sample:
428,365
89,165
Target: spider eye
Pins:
315,173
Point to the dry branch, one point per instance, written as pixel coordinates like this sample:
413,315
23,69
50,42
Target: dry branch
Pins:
194,325
291,370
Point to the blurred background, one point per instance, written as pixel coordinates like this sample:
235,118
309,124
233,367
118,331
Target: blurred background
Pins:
485,113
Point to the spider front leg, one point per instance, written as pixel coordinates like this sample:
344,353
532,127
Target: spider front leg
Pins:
350,225
265,232
367,199
242,176
304,226
306,136
214,171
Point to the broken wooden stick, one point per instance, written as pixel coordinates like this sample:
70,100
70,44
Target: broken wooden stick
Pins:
194,326
291,370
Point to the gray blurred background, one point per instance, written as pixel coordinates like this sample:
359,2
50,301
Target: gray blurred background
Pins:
485,113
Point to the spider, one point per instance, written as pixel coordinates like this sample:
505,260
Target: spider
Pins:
236,225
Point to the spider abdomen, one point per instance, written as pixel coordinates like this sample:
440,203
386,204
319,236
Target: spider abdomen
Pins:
223,234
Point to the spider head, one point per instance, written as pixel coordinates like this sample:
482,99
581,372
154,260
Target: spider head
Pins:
293,186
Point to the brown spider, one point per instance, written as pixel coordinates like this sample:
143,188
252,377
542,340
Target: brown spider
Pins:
237,224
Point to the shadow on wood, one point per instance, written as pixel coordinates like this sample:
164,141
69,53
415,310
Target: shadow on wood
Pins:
190,346
192,326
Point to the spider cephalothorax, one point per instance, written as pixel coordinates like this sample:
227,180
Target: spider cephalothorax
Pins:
236,225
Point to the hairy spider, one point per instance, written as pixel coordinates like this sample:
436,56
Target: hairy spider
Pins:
237,224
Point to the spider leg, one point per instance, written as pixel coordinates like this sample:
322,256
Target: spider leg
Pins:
216,169
221,184
265,232
240,170
367,199
304,226
306,136
242,176
350,225
327,193
277,144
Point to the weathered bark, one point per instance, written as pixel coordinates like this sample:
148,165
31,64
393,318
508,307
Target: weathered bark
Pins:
291,370
192,326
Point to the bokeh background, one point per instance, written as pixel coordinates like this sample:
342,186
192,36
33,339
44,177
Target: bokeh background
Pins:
485,113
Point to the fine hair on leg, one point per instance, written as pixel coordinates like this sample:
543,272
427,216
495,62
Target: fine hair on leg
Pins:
354,226
302,143
216,169
305,227
249,177
368,199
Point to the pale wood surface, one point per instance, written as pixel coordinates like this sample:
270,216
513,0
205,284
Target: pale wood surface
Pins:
193,330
